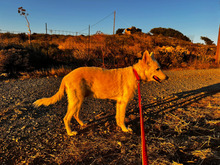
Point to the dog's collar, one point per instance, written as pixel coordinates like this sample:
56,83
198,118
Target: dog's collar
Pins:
136,75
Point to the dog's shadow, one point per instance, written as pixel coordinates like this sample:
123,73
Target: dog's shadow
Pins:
175,101
183,99
161,106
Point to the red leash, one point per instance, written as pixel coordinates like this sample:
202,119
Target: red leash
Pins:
144,148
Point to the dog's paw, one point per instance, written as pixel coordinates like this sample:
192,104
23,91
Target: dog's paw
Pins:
130,130
73,133
84,123
127,129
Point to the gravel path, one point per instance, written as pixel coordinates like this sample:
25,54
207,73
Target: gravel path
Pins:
26,91
26,131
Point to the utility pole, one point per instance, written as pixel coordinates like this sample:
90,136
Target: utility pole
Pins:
88,40
46,27
217,56
114,23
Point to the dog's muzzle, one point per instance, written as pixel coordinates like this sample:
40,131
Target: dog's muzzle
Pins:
159,80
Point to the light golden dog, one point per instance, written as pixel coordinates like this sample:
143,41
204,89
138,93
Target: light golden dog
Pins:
117,84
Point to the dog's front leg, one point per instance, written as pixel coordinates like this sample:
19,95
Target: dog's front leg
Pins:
120,116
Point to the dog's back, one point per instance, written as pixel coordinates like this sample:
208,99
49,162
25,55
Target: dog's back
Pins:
102,83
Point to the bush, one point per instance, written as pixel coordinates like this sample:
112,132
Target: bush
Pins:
43,55
120,31
23,37
169,33
14,60
207,40
170,57
36,56
6,35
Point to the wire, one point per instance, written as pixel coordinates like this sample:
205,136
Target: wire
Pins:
83,30
102,19
97,22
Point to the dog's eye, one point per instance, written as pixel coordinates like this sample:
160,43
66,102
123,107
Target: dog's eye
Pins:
158,69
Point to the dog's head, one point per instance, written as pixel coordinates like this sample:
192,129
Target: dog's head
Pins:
149,69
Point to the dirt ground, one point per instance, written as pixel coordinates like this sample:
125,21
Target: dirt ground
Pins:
181,115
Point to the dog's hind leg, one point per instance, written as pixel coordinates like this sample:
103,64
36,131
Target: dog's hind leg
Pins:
76,114
74,105
67,119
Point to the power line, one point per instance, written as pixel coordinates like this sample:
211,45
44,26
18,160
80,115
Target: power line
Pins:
97,22
83,30
124,21
102,19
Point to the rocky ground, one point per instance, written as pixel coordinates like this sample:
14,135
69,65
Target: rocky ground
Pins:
181,124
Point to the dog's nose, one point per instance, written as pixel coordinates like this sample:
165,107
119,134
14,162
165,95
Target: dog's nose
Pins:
166,78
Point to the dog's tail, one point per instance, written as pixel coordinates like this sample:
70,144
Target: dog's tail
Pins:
53,99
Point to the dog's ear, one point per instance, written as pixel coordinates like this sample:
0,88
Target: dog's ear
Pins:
146,57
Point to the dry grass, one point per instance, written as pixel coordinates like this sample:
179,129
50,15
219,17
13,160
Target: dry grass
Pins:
52,72
189,134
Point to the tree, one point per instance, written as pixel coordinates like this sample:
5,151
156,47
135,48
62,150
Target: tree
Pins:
207,40
169,33
22,12
120,31
133,30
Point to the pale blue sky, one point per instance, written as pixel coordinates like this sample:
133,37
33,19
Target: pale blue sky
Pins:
194,18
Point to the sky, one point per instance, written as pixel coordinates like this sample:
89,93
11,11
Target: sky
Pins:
194,18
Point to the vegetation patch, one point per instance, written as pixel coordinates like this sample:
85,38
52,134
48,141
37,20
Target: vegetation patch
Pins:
107,51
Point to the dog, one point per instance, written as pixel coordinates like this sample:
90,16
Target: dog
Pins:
116,84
